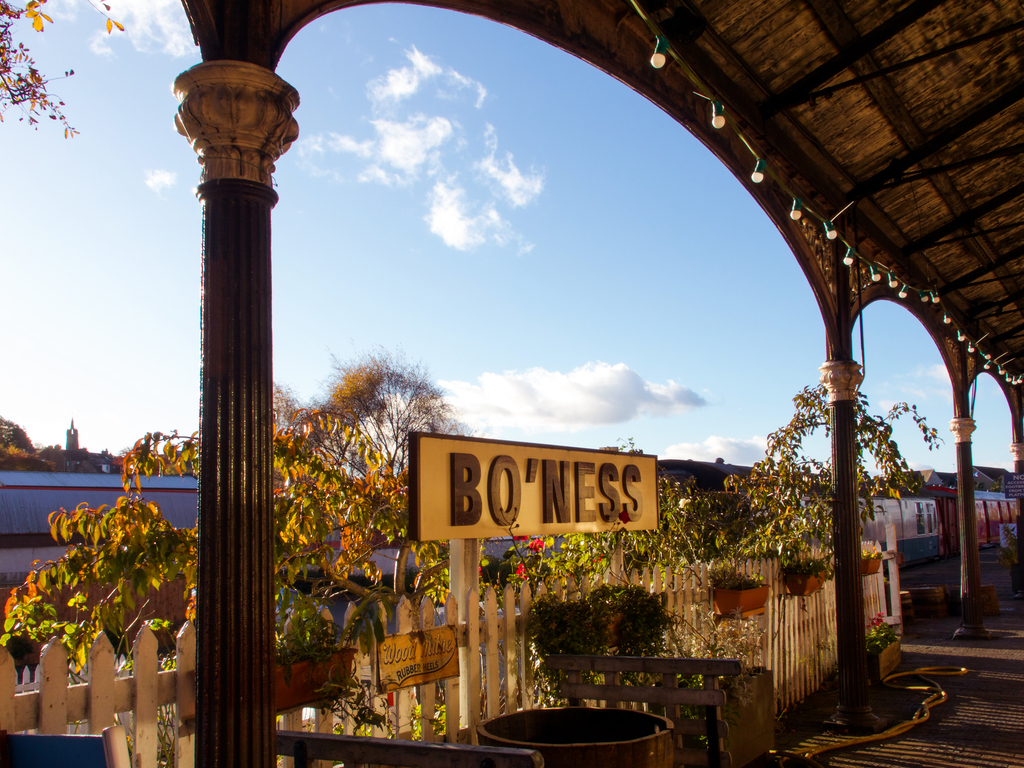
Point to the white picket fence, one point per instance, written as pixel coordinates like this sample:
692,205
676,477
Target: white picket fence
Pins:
496,674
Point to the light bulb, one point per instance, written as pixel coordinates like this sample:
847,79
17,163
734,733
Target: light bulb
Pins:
1001,371
758,175
935,298
893,282
659,58
923,296
875,274
960,335
717,114
970,347
903,291
946,319
988,366
797,210
986,355
830,230
848,258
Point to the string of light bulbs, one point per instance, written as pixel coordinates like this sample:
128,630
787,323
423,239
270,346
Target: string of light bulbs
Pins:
663,51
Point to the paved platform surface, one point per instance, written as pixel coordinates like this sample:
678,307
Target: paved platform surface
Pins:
982,723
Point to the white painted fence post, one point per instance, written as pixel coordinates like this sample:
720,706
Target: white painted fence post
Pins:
101,684
185,685
427,692
452,686
145,742
53,689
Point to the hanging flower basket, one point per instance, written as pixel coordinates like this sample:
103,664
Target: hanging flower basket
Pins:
803,584
743,600
870,565
306,678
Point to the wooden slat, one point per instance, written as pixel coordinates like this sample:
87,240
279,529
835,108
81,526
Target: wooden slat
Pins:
677,666
427,694
491,662
145,742
452,692
53,691
355,749
508,637
685,726
651,695
697,757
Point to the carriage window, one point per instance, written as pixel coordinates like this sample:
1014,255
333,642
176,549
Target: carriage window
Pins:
931,518
920,518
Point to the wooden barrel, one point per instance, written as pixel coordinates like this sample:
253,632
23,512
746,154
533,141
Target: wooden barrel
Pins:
569,737
930,601
989,601
906,606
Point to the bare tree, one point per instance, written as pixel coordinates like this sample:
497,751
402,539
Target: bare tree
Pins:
387,396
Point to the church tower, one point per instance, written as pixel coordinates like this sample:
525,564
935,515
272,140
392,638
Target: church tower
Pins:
72,441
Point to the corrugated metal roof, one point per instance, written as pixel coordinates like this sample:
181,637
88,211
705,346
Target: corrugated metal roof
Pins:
26,507
89,480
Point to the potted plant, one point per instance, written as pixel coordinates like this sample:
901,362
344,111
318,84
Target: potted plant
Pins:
1008,554
750,696
870,560
883,649
805,574
611,620
735,592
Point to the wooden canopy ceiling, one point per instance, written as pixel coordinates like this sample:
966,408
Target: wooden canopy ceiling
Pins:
908,110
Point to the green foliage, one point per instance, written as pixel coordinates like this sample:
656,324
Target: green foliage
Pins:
13,435
1008,551
129,548
879,635
638,618
729,575
806,564
793,490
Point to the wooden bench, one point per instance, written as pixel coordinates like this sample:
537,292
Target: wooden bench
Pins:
669,694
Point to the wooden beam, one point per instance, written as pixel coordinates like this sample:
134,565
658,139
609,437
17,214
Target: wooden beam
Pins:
937,143
801,89
965,219
967,279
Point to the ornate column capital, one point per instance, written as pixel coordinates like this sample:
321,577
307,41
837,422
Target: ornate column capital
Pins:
1017,451
237,117
841,378
962,428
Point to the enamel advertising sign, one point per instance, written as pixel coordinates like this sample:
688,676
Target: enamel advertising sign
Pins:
417,658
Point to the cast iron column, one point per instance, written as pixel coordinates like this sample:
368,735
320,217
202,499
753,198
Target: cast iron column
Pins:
973,626
1017,449
842,378
238,118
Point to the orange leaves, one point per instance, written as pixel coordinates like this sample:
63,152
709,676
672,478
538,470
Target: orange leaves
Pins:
111,24
33,12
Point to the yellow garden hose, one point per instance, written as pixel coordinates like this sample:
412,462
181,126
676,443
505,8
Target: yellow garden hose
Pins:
935,697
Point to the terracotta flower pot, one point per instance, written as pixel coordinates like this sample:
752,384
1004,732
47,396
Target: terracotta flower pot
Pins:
869,565
730,600
306,678
803,584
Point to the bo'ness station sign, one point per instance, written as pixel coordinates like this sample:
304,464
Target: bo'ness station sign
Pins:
471,488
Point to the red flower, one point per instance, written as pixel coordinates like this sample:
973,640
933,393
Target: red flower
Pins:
520,538
521,570
536,545
624,516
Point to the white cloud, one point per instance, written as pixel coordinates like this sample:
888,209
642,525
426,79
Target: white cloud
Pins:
398,84
158,181
450,220
406,147
592,395
514,186
733,450
150,25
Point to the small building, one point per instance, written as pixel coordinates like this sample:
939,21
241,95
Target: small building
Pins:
28,498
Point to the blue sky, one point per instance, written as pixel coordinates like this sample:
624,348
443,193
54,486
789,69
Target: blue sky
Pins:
571,265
